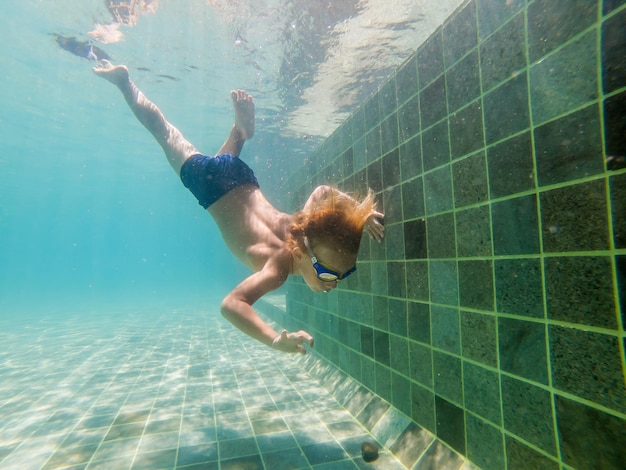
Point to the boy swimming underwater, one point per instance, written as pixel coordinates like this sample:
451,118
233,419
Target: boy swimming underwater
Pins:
319,243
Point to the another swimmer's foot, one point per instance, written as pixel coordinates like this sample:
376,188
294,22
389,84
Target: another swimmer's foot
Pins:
116,74
244,113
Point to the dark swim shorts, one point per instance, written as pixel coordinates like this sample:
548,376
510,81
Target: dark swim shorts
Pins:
209,178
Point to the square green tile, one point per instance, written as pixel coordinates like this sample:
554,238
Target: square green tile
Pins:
481,392
503,54
510,165
423,406
387,101
398,317
522,349
443,283
389,133
485,443
476,284
553,22
436,146
380,306
470,180
359,152
438,190
444,323
421,369
417,280
406,80
447,377
391,168
411,158
492,14
521,457
396,282
399,354
441,236
580,290
570,147
463,82
408,120
519,287
478,337
575,218
466,130
506,109
368,376
395,241
432,100
418,320
563,82
528,413
374,176
381,347
450,424
473,230
367,341
379,278
371,110
603,447
373,146
588,365
413,198
414,240
515,226
401,393
460,34
383,381
430,59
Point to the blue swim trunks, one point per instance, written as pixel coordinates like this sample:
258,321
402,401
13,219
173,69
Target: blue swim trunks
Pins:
209,178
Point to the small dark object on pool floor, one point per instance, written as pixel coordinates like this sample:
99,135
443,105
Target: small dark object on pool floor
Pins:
369,451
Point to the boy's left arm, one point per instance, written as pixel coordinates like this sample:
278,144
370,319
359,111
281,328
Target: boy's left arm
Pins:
237,308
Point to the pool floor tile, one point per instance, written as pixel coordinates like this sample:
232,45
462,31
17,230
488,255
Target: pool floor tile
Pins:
151,390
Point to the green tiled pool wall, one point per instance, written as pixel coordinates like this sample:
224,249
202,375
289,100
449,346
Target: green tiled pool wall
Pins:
412,445
493,313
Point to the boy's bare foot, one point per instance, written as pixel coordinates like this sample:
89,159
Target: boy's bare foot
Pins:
244,113
116,74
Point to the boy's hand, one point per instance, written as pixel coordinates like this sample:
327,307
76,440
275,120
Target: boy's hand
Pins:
374,226
292,342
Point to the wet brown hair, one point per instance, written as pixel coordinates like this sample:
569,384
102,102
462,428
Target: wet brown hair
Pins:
337,220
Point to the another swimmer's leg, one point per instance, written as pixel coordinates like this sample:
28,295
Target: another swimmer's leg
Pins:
177,149
243,129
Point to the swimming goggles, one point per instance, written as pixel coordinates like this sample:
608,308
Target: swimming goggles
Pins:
324,273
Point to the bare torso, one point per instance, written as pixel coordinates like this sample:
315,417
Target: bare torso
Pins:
253,229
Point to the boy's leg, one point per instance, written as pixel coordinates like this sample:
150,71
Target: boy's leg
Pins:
177,149
243,129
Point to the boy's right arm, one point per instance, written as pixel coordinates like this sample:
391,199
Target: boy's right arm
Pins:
237,308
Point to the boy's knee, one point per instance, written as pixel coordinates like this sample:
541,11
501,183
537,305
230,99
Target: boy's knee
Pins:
226,308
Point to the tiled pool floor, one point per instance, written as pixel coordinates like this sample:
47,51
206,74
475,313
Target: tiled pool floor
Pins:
172,389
